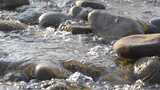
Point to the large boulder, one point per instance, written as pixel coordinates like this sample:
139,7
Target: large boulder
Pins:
112,27
12,4
136,46
52,19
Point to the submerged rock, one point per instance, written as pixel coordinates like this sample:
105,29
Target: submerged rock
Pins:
45,71
112,27
136,46
12,4
148,70
87,69
52,19
90,3
29,17
8,25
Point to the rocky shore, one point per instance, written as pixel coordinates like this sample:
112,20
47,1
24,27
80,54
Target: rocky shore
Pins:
57,39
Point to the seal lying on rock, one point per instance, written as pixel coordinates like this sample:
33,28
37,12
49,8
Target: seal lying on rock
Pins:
111,27
137,46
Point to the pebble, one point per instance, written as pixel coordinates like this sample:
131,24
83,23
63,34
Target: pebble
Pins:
12,4
90,3
52,19
156,23
111,27
137,46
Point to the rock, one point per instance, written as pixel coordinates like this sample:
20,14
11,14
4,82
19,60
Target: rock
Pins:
87,69
112,27
136,46
29,17
79,78
57,84
77,29
90,3
154,25
156,22
12,4
148,70
45,71
15,77
52,19
8,25
79,12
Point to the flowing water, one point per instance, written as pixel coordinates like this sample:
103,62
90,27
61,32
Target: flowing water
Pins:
36,44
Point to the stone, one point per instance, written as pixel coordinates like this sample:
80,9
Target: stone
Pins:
90,3
111,27
137,46
154,25
77,29
79,78
52,19
156,22
12,4
79,12
45,71
11,25
87,69
29,17
147,69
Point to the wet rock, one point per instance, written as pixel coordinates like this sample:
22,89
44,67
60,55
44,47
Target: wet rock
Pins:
148,70
57,84
156,23
45,71
52,19
12,4
29,17
90,3
8,25
15,77
79,12
87,69
77,29
111,27
152,29
136,46
80,78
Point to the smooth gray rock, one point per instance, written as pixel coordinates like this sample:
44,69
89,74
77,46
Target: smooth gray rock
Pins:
12,4
111,27
52,19
90,3
79,12
29,17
